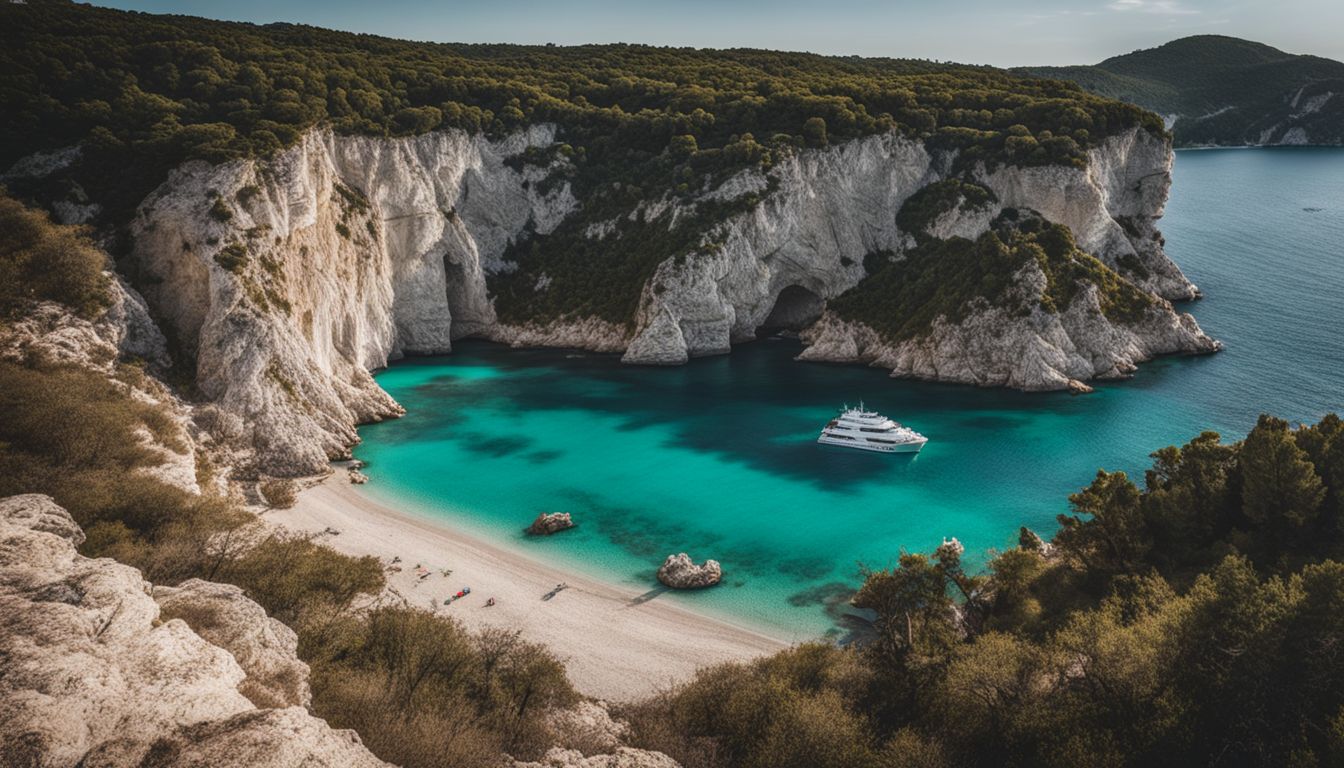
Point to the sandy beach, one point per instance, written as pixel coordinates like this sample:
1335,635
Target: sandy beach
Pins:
615,644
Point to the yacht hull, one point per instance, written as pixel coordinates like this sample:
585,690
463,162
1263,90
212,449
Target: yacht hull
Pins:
911,447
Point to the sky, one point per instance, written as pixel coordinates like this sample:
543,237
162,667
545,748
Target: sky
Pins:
1004,33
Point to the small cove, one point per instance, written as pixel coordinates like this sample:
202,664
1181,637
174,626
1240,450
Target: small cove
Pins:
717,458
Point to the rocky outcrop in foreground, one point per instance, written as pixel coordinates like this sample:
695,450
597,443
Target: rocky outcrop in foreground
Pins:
95,672
680,572
623,757
589,737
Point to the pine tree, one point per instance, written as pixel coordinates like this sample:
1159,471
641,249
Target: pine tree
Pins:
1281,491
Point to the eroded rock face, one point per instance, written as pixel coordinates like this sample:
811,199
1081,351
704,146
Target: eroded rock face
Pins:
289,280
587,736
680,572
91,674
993,347
265,648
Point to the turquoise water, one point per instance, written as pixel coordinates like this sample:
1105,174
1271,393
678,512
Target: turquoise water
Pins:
717,458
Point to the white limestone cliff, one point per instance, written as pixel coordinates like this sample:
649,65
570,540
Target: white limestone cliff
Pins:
93,673
995,347
289,280
831,208
350,252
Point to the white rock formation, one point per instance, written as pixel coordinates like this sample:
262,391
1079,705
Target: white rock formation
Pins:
346,252
289,280
624,757
587,736
993,347
90,674
831,208
680,572
1111,206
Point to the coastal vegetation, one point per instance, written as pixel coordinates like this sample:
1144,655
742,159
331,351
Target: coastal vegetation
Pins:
1189,617
39,262
1190,620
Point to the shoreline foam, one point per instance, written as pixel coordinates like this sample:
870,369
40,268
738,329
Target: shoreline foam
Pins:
616,643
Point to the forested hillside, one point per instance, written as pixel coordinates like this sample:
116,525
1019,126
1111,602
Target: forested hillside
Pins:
1223,90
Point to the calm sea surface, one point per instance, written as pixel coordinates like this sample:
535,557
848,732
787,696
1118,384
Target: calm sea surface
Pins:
717,458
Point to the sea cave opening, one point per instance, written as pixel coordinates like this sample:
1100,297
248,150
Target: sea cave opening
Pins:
795,309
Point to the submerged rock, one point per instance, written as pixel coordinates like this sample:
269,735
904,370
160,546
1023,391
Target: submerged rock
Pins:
548,523
680,572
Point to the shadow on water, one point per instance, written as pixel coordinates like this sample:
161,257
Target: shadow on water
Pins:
495,447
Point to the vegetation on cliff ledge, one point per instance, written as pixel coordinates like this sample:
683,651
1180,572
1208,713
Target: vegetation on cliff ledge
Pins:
903,297
1195,619
42,262
143,93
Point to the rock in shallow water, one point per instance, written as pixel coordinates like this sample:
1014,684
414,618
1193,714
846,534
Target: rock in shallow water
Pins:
548,523
680,572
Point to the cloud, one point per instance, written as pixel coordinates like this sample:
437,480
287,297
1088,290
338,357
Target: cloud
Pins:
1155,7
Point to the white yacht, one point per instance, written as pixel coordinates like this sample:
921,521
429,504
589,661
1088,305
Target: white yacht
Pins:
870,431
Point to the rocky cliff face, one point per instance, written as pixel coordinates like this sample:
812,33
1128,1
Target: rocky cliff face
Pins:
288,280
96,668
806,242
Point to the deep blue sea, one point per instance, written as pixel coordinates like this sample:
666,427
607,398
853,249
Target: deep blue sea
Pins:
718,459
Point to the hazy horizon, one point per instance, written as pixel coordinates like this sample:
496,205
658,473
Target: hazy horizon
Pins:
1052,32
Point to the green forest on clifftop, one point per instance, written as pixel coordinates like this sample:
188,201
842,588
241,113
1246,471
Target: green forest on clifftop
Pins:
143,93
